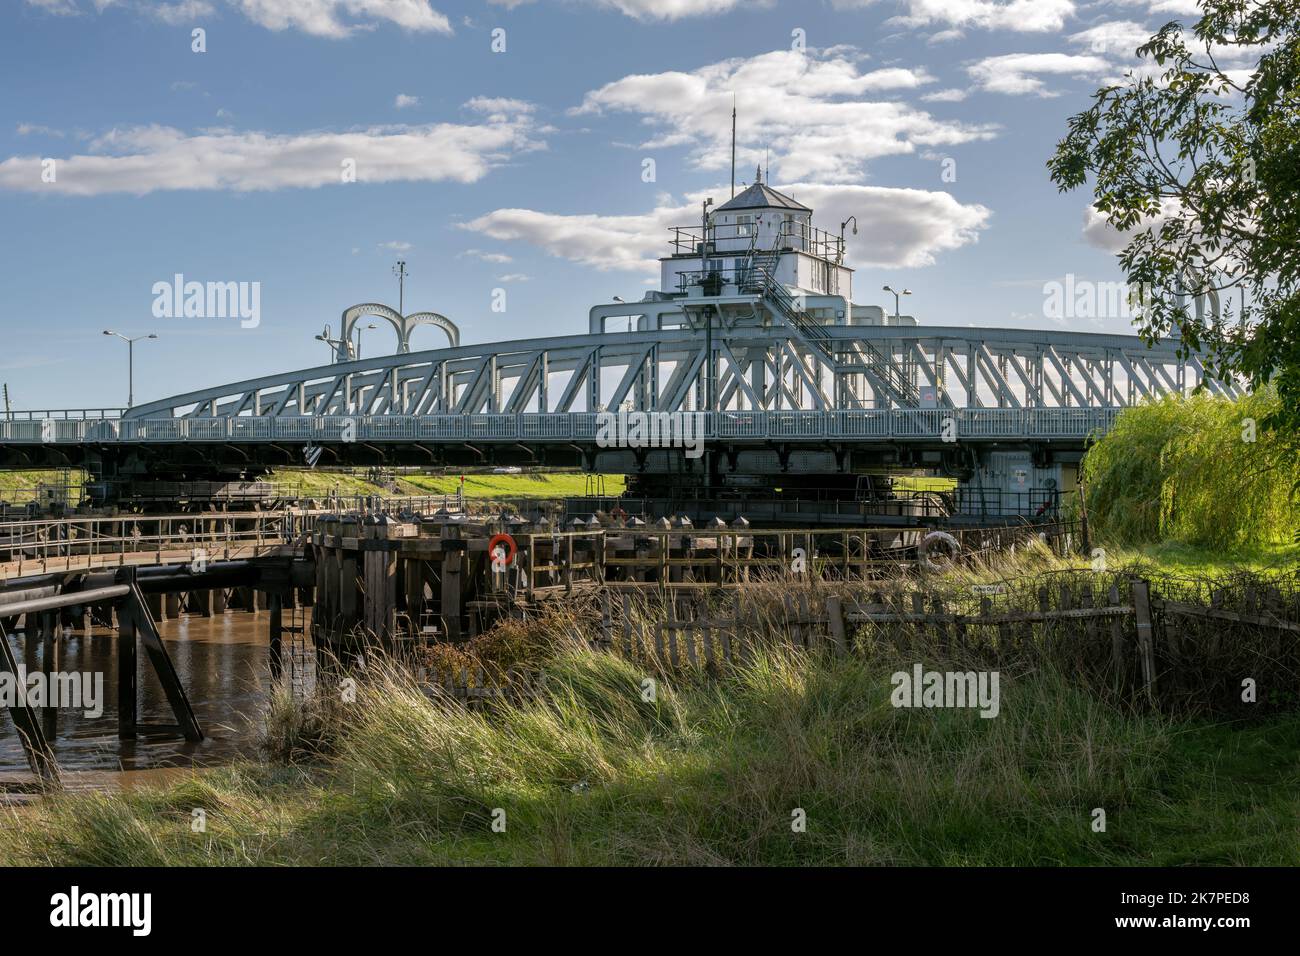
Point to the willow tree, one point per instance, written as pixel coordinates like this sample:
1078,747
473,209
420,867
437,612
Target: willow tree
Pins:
1195,158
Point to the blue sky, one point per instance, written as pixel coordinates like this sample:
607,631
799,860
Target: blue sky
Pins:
519,170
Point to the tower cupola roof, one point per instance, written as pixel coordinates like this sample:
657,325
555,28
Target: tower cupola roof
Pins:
761,196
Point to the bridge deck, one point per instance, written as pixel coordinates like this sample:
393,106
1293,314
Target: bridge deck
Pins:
857,425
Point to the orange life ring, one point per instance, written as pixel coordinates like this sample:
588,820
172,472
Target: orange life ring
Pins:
509,542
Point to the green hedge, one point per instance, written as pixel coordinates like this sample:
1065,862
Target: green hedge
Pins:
1187,469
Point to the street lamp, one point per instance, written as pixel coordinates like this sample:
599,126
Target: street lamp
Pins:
851,219
889,288
130,362
359,331
339,348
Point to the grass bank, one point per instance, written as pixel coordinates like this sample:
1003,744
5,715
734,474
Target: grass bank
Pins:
708,772
477,485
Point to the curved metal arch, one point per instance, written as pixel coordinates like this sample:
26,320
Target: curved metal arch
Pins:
416,319
403,325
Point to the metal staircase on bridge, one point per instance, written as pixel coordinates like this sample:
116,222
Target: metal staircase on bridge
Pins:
761,279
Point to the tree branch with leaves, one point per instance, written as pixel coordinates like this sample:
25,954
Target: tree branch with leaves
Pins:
1195,159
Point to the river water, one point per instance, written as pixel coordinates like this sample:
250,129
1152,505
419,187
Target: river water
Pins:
223,663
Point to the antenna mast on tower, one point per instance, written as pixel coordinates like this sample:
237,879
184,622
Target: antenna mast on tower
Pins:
733,145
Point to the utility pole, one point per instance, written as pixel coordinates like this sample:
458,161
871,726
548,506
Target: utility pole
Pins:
399,270
8,413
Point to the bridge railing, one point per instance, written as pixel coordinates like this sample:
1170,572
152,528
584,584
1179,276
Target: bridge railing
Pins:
65,414
195,537
878,423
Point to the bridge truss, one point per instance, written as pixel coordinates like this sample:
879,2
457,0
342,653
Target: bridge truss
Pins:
858,383
751,370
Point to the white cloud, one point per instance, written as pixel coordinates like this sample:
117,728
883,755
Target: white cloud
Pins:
404,101
1017,74
395,246
1099,233
325,18
897,227
515,277
659,9
1026,16
812,109
29,129
1190,8
339,18
181,12
498,257
946,96
1117,37
59,8
140,160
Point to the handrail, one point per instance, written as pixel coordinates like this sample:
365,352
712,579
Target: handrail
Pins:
63,414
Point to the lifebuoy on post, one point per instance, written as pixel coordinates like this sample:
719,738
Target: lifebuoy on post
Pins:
499,540
937,550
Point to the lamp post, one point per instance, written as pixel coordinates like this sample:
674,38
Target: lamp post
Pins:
341,349
851,219
130,362
897,293
359,331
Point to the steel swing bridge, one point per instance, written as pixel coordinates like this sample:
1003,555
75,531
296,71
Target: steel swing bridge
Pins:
786,376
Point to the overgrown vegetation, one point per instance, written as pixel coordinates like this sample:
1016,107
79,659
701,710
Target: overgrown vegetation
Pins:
1198,470
707,771
710,772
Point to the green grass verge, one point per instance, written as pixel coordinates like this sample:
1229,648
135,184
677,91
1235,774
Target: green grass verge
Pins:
1170,557
18,487
526,485
711,773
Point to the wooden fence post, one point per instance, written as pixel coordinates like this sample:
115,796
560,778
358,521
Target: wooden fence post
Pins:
1145,637
835,619
1116,640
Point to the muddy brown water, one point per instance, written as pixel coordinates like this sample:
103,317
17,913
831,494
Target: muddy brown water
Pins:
223,663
